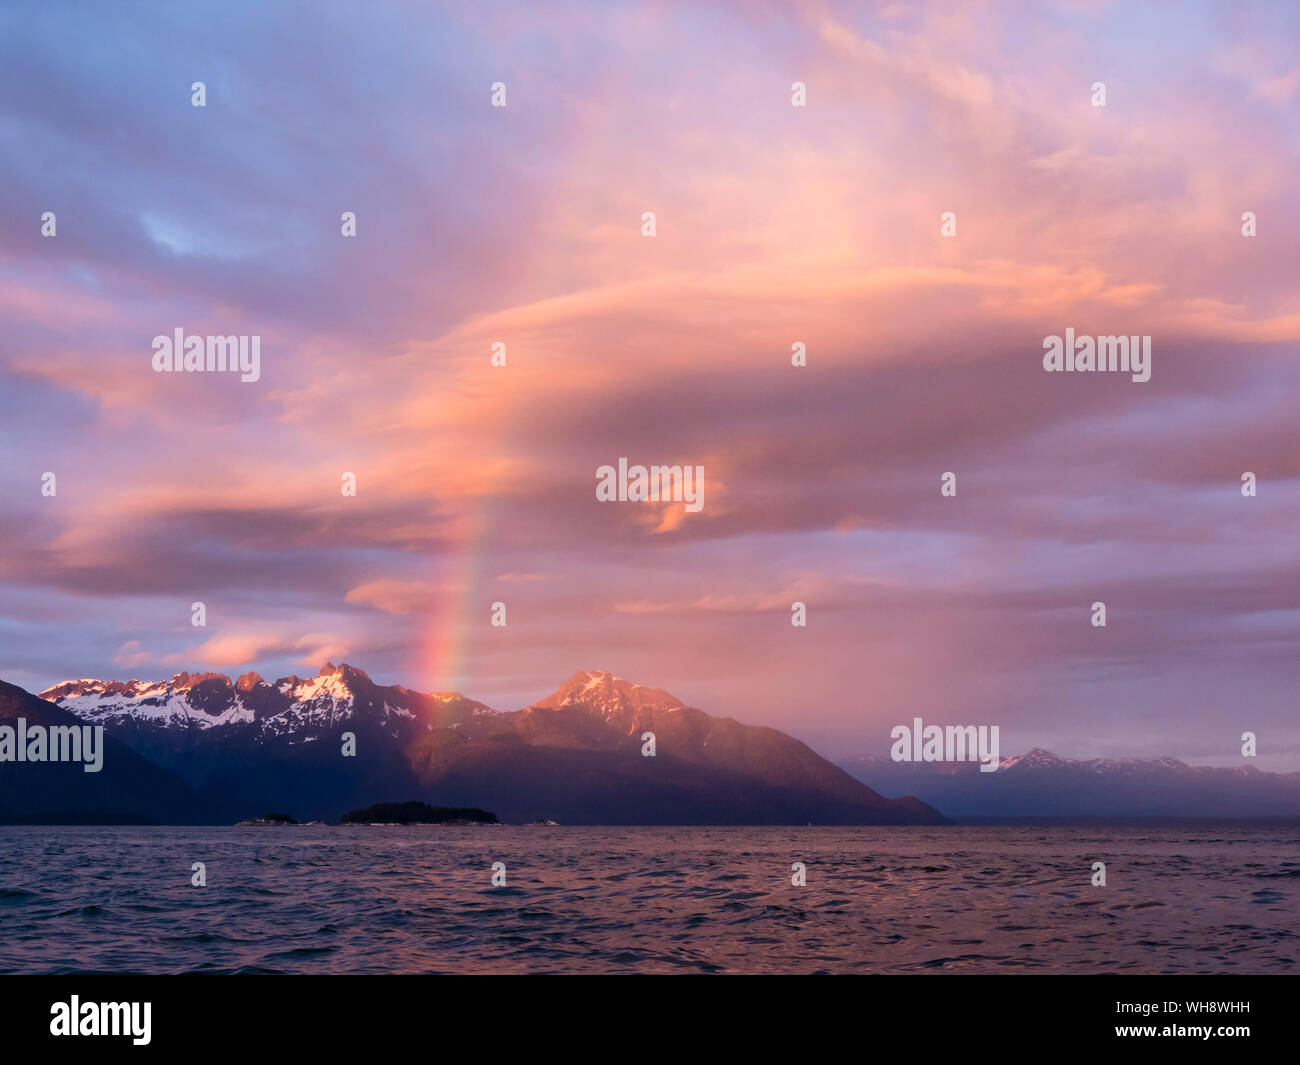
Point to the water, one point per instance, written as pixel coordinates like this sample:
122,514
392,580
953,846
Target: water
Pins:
954,899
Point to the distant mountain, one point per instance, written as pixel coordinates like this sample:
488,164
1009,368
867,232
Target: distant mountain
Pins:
1041,784
575,756
127,789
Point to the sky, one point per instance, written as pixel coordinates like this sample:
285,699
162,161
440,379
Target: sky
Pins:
774,225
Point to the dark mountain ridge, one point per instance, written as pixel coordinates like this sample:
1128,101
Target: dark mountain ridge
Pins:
127,788
575,756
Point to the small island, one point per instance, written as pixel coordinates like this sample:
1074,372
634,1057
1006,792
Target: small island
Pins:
269,819
419,813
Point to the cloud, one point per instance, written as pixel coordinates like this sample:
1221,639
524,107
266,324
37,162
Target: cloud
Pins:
776,225
396,596
235,650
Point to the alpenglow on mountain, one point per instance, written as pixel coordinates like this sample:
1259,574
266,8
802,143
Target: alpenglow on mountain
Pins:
299,709
247,745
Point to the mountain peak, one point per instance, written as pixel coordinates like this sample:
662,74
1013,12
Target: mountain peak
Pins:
343,671
591,687
183,682
248,681
616,700
1035,758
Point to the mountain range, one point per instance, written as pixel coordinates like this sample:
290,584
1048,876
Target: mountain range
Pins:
203,748
1040,784
239,747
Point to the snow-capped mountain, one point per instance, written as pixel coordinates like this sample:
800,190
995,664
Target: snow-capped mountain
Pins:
1042,784
298,708
1037,758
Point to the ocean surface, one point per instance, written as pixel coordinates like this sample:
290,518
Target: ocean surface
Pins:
662,900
